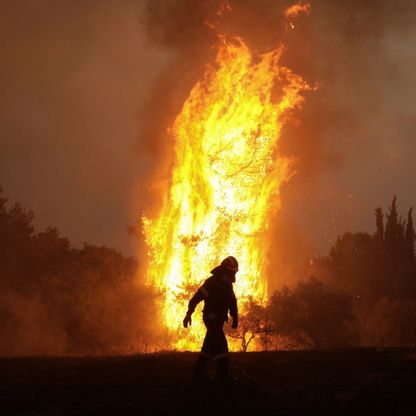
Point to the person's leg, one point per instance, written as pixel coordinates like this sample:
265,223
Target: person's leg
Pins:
220,353
222,367
200,368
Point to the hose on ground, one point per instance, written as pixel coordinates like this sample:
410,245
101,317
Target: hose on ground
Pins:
254,380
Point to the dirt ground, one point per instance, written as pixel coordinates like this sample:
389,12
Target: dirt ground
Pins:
337,382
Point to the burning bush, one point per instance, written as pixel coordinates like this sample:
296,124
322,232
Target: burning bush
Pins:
254,325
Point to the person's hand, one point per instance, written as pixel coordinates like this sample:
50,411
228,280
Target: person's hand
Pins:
235,323
187,320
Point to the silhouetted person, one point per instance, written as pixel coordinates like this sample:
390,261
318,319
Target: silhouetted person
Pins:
219,297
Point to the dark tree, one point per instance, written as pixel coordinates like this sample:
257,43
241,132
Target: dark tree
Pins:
354,266
410,236
57,299
253,323
392,228
379,272
379,225
312,314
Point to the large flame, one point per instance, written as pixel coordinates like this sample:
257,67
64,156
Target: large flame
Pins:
225,181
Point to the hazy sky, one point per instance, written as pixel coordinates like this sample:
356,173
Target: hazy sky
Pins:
85,83
72,79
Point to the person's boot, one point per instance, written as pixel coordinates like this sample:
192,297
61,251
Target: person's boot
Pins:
200,369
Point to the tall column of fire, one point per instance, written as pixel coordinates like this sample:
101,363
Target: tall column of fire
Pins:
225,180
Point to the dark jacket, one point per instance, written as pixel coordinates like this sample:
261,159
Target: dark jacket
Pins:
219,297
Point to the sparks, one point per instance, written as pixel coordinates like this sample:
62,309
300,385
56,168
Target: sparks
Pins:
297,9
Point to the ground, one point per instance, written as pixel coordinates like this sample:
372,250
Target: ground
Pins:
333,382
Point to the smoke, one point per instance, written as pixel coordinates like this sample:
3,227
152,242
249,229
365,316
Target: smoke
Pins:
56,299
351,138
28,328
90,88
72,77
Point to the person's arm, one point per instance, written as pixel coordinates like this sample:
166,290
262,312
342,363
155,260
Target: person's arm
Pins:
233,309
200,295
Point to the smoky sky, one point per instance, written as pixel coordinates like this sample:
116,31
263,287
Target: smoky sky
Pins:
89,89
72,78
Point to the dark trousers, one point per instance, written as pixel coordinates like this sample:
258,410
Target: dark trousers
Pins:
215,342
215,347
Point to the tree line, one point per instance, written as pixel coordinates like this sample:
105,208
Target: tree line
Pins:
363,293
58,299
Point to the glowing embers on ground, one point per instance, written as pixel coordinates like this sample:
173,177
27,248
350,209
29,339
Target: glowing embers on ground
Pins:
225,181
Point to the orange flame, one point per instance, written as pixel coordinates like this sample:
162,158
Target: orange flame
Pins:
225,181
297,9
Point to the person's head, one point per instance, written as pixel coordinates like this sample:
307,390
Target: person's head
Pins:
230,267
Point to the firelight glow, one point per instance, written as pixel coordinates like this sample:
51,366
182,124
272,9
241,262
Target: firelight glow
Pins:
225,182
